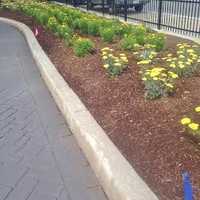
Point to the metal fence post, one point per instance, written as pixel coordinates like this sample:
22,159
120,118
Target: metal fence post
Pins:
87,4
103,6
159,14
125,10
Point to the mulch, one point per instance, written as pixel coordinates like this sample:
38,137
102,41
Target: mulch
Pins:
148,133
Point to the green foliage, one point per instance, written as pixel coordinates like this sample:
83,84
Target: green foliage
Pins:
82,47
107,34
139,32
93,27
156,39
129,42
83,25
64,32
52,24
42,18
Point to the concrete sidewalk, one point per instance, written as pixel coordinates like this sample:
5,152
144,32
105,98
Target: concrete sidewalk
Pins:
39,157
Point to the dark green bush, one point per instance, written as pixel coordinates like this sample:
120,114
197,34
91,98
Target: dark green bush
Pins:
83,25
93,27
82,47
157,40
64,32
129,42
52,24
139,32
107,34
43,18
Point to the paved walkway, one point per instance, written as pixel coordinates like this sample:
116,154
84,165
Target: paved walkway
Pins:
39,157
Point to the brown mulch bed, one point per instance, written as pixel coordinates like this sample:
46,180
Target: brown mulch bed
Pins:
147,133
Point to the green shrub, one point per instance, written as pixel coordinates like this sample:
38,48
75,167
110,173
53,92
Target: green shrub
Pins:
129,42
93,27
64,32
156,39
139,32
52,24
82,47
42,18
107,34
83,26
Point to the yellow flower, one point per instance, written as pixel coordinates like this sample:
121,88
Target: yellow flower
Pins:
105,49
117,64
194,126
144,62
169,85
105,57
188,63
124,59
122,54
169,60
197,109
172,65
173,75
104,53
185,121
144,78
181,65
181,56
106,66
190,50
169,55
155,78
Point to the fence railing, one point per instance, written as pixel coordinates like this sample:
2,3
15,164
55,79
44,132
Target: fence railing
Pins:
181,16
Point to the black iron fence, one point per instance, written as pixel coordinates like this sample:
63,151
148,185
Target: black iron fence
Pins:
181,16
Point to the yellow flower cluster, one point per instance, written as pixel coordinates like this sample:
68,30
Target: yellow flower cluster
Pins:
158,82
146,55
186,61
186,121
113,64
160,74
192,126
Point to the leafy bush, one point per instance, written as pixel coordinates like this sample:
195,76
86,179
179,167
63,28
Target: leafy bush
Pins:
129,42
83,25
113,64
107,34
43,18
158,82
82,47
64,32
52,24
93,27
156,39
139,32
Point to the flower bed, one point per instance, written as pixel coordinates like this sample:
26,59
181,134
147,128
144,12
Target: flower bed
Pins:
112,76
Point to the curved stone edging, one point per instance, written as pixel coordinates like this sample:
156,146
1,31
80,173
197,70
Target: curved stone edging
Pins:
117,177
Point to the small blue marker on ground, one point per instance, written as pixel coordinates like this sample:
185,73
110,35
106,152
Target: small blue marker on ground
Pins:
187,186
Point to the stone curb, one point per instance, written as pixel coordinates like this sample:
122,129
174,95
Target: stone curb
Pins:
118,179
